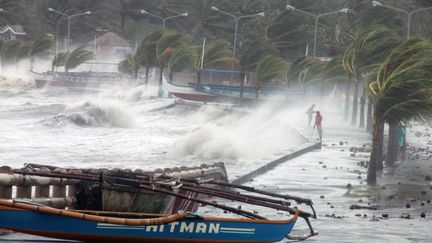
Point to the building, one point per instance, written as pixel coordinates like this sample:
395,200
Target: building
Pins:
12,32
106,45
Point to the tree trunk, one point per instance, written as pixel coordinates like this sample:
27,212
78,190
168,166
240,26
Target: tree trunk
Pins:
242,76
199,77
136,73
122,21
160,91
257,89
372,168
171,77
347,98
362,109
392,144
31,63
380,152
355,102
147,74
369,114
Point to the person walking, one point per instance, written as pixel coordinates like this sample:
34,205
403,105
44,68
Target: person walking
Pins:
310,113
318,120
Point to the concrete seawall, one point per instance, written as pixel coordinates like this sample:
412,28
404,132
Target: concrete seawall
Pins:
271,165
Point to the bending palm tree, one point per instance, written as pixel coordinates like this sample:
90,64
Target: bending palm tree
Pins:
131,64
165,46
251,55
306,71
59,60
77,57
401,91
147,50
215,54
183,57
40,47
270,67
370,47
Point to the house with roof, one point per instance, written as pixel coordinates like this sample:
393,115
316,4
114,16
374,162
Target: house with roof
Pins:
104,44
12,32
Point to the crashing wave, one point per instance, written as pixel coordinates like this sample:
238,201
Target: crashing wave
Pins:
96,113
15,82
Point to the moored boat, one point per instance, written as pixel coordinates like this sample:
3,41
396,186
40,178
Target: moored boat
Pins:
181,227
78,79
103,225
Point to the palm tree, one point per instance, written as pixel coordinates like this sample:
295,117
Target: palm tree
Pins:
147,50
40,47
13,51
306,72
10,50
183,57
369,48
251,55
59,60
270,67
131,64
216,53
401,91
77,57
165,46
334,73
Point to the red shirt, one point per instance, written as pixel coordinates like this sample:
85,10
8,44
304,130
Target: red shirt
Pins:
318,119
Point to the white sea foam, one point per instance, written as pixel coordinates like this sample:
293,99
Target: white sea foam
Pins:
100,113
226,135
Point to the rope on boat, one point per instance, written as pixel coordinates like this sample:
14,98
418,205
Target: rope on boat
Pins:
95,218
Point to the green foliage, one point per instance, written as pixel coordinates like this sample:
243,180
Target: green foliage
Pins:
59,60
305,71
216,53
130,65
369,48
13,51
183,57
77,57
40,47
167,43
271,67
255,51
402,87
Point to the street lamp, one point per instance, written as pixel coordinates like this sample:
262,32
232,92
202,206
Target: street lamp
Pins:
163,19
289,7
237,19
69,17
409,14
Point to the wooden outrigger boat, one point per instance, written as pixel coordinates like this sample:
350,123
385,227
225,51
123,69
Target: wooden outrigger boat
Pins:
95,226
183,226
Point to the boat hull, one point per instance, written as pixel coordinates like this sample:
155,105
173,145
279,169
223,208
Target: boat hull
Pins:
184,230
76,79
191,93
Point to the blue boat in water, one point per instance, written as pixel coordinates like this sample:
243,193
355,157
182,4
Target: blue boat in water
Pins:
277,93
100,226
95,225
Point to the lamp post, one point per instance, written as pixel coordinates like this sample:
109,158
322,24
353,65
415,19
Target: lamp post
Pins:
409,14
236,19
69,17
163,19
317,17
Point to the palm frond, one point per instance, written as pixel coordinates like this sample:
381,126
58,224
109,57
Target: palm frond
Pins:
77,57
